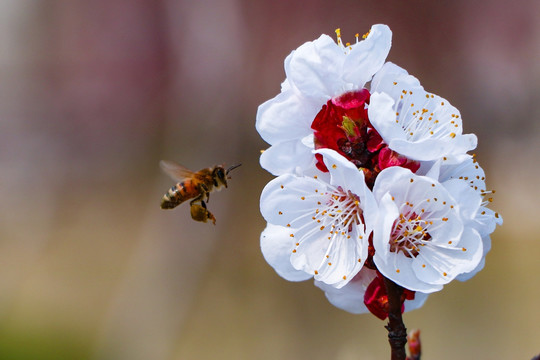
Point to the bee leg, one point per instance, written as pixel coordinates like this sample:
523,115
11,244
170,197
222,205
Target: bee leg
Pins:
205,191
208,213
199,212
199,198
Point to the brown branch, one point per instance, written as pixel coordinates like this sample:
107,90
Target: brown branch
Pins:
397,333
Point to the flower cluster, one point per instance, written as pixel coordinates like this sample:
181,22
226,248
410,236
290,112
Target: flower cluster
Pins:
373,179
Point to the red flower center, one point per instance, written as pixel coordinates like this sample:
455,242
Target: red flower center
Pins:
343,125
376,298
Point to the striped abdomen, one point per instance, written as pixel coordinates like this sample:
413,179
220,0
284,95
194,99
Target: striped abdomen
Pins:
179,193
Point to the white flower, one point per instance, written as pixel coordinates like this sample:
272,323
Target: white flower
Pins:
466,180
374,180
424,237
316,72
415,123
328,223
470,173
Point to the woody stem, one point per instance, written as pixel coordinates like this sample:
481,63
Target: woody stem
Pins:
397,333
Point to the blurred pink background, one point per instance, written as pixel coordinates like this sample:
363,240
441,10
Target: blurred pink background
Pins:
94,94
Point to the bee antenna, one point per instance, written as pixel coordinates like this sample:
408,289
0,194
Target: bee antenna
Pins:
232,168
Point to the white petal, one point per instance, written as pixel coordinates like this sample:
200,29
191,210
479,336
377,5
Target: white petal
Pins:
285,85
384,80
399,269
291,156
430,169
447,234
288,197
276,247
285,117
351,296
432,149
444,264
343,172
470,275
405,186
394,179
486,220
311,252
367,56
418,301
468,199
486,246
335,258
467,170
382,116
388,213
315,69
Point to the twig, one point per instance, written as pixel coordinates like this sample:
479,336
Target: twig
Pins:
414,345
397,333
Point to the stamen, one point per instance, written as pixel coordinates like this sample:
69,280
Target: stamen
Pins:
338,35
410,231
347,46
335,214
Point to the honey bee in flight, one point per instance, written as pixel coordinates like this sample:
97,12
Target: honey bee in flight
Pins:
194,185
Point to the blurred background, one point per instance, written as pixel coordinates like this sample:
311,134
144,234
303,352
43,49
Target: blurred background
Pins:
94,93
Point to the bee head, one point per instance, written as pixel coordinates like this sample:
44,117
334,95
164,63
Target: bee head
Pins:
220,175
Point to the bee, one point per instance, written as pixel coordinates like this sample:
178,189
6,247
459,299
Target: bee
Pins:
194,185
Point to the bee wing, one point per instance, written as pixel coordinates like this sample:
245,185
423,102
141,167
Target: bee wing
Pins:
175,170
